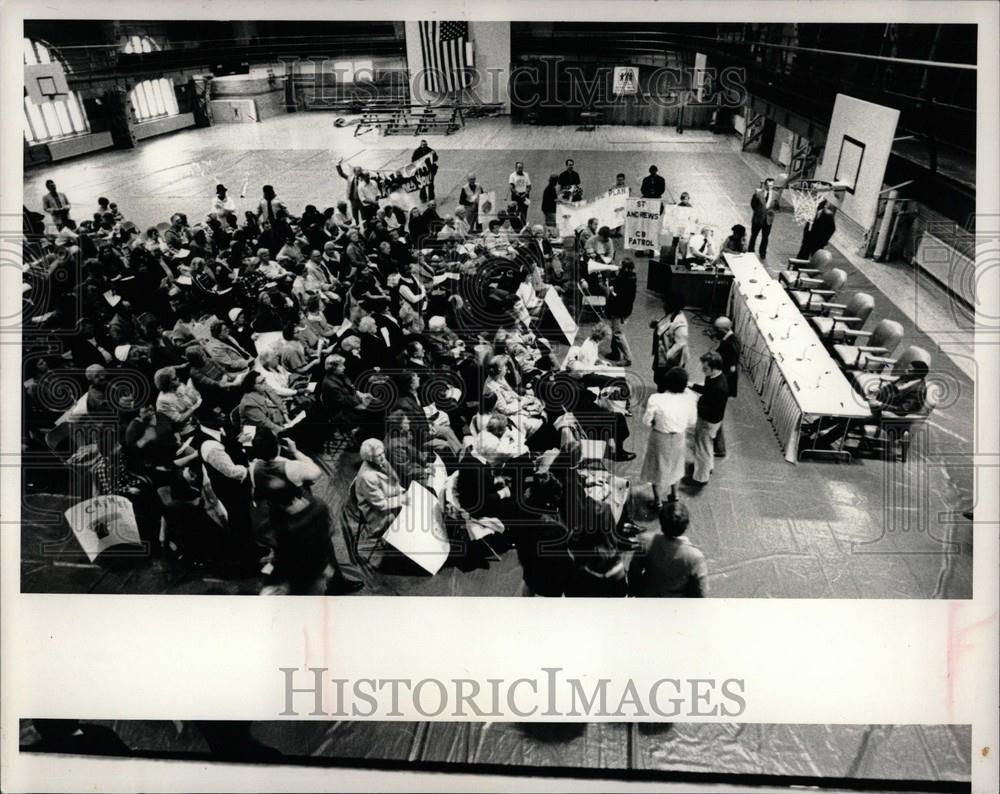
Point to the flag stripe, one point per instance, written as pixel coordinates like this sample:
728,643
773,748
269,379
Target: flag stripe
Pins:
447,54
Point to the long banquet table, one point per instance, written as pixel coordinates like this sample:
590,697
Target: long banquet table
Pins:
796,378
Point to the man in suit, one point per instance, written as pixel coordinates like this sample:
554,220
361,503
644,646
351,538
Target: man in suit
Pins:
763,203
729,351
653,186
818,233
711,410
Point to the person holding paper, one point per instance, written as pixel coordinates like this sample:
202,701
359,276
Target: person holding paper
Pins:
56,204
569,183
601,247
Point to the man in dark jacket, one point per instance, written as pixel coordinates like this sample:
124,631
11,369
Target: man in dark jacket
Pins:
819,232
653,186
729,351
711,410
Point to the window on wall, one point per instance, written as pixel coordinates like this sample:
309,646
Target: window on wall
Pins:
137,44
153,99
61,118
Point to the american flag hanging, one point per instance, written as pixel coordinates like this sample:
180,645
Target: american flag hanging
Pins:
448,56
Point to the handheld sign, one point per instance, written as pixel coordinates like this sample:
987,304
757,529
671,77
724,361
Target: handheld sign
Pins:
642,224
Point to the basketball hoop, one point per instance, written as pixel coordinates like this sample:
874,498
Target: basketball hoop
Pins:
807,194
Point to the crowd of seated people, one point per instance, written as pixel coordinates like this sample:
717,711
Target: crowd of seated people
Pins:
414,341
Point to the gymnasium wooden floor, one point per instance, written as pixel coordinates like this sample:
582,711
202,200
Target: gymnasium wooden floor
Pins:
768,528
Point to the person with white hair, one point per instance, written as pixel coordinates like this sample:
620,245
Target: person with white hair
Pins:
701,249
729,350
468,198
177,401
462,227
379,493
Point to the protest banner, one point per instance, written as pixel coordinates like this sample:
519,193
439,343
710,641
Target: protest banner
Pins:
408,179
103,522
608,208
642,224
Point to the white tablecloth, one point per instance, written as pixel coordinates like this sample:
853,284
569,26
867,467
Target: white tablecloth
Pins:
797,379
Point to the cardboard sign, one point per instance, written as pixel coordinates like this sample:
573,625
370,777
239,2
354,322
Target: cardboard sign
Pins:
556,310
608,208
103,522
642,224
487,208
418,531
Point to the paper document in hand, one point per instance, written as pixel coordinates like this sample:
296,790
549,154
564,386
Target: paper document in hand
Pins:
311,387
301,417
418,531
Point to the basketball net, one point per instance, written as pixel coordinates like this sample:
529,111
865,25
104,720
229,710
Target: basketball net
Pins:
806,196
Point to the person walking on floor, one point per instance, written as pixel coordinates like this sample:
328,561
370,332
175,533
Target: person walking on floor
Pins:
618,308
711,410
670,337
669,414
667,564
729,349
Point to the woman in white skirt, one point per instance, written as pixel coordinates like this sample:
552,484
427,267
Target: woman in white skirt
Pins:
669,414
